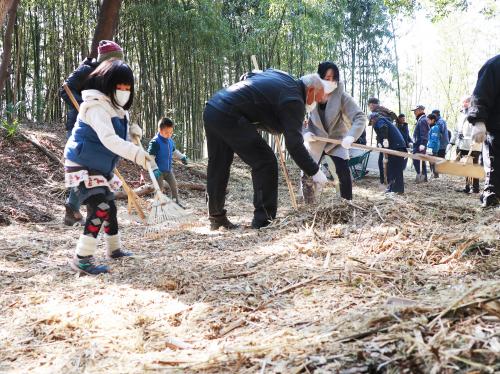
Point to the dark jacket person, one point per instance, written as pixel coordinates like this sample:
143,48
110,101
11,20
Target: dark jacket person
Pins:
272,101
484,114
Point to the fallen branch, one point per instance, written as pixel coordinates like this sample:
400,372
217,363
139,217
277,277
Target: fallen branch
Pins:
33,140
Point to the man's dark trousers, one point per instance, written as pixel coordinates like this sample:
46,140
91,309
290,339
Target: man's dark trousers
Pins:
395,168
491,159
228,134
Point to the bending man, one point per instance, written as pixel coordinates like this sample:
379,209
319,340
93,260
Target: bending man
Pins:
272,101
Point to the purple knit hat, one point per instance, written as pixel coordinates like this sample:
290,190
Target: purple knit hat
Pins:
108,49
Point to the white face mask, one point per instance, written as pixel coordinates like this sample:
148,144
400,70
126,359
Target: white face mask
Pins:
121,97
310,107
333,84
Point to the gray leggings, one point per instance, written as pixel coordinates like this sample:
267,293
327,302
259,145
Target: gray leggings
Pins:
169,177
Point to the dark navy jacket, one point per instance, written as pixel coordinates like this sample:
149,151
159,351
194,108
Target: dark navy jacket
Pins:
485,104
273,101
76,82
85,148
386,130
421,132
163,150
403,129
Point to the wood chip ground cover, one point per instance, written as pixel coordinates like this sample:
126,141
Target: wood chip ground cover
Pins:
390,284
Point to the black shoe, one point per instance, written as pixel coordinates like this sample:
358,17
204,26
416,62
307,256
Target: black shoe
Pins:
86,265
490,201
178,203
258,224
118,253
221,221
72,216
464,190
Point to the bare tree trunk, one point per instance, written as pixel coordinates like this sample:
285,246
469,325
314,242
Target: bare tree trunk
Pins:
4,8
397,62
7,43
106,23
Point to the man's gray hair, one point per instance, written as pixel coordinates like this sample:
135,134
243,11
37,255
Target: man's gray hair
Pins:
312,80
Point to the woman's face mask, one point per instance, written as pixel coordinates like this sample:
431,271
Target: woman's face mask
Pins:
122,97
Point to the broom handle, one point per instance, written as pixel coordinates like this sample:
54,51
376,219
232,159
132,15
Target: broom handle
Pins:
414,156
285,172
282,158
71,97
156,186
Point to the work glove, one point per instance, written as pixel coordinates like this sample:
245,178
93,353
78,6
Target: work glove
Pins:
135,133
142,158
308,137
385,143
421,147
157,173
379,145
479,132
410,145
347,141
320,177
184,160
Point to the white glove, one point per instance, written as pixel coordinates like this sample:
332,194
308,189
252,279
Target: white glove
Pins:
347,141
448,147
309,137
320,177
142,157
385,143
135,133
421,147
410,145
479,132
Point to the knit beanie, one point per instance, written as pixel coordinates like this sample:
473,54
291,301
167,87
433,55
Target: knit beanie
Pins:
108,49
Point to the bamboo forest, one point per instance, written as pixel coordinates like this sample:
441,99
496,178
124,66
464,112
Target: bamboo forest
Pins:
250,186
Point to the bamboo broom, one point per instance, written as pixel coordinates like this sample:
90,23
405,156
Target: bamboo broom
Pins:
164,212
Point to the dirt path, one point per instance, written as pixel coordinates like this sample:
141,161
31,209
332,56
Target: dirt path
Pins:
390,283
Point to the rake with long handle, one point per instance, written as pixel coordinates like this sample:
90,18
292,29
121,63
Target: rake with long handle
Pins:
441,165
277,141
133,199
164,212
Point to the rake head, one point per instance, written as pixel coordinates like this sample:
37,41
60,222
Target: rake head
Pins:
164,214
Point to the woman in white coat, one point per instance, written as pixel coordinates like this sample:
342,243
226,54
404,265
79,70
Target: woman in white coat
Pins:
462,137
338,117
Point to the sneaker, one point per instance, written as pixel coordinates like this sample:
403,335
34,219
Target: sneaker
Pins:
86,265
490,201
72,217
221,221
119,253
